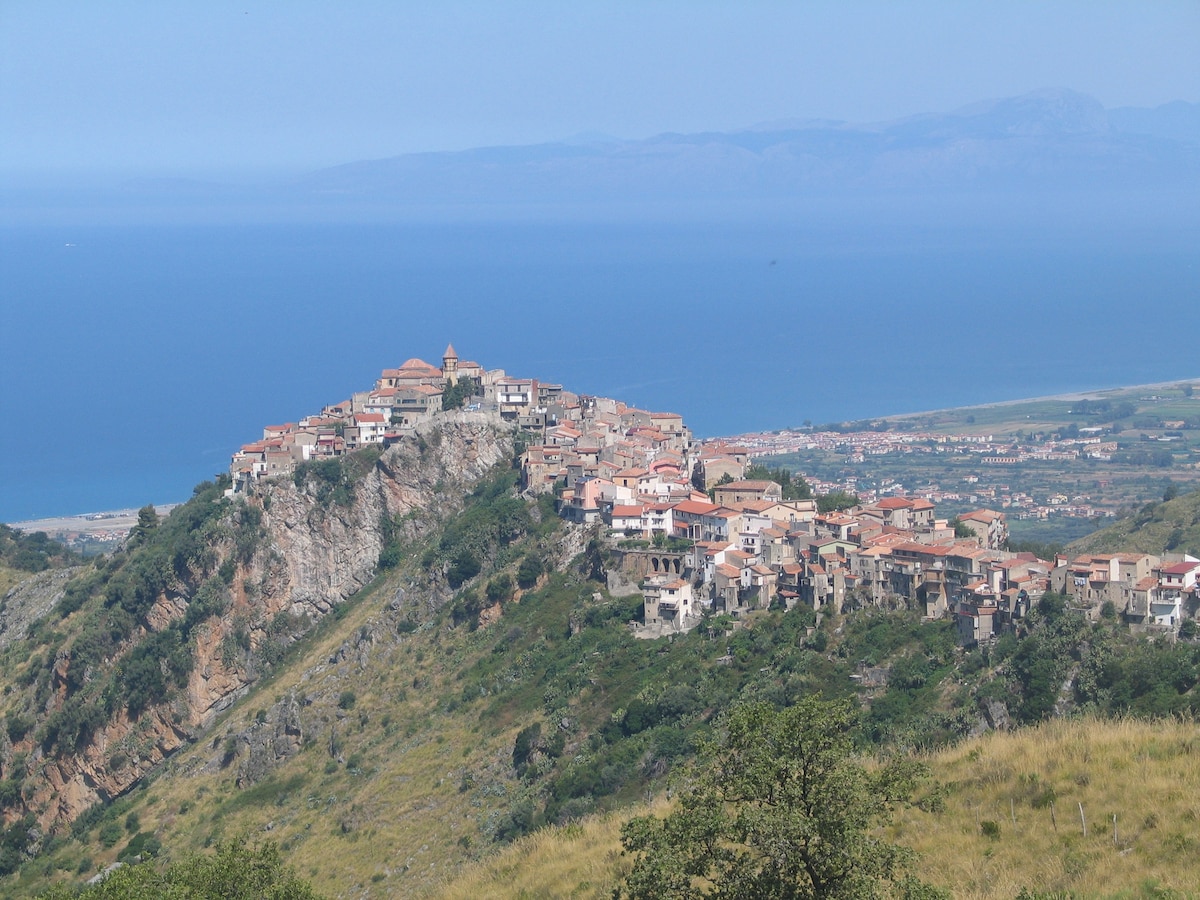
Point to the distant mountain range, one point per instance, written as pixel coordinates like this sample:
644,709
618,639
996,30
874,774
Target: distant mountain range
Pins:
1051,138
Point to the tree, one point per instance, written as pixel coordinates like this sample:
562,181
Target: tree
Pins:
836,500
455,396
961,528
530,570
500,588
147,523
794,487
778,807
235,872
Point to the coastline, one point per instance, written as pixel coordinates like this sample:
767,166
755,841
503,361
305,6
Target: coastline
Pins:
94,523
1072,396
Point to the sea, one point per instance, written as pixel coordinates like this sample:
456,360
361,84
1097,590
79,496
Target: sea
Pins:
138,352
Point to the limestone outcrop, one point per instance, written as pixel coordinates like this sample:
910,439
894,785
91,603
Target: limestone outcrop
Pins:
312,554
28,601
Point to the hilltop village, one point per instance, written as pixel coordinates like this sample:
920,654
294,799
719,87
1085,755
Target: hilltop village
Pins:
696,537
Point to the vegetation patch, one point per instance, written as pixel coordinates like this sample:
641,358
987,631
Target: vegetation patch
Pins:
331,482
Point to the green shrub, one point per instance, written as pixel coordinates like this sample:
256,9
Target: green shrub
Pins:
500,588
529,571
110,833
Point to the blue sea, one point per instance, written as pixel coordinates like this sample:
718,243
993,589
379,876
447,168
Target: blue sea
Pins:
135,356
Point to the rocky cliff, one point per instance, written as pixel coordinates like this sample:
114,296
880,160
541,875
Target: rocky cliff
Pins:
29,601
316,541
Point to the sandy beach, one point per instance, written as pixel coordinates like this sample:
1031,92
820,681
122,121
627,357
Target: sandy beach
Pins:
120,520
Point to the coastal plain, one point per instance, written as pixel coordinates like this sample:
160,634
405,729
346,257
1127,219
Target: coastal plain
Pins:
1165,416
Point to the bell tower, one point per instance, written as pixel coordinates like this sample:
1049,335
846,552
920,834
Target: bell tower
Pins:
450,365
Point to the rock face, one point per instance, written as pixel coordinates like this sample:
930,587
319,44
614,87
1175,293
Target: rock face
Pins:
313,555
279,735
29,601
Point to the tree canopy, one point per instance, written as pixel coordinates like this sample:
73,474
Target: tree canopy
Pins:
794,486
779,807
456,394
236,871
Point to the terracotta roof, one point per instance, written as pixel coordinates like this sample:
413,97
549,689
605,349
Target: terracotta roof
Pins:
981,515
747,486
1181,568
872,552
415,363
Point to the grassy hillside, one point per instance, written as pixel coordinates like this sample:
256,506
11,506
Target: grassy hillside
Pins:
1173,525
405,742
427,746
427,743
1009,821
24,554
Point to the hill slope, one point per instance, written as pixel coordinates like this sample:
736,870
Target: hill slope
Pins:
136,657
460,676
1135,781
1170,526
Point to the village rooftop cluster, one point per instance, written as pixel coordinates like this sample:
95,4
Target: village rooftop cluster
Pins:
994,457
698,538
401,399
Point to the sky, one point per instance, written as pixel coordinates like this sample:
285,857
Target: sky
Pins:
289,85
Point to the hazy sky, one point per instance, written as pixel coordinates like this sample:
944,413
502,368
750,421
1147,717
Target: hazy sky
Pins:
188,86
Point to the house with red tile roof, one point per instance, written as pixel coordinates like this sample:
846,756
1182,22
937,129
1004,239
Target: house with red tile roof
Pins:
669,603
364,429
989,526
737,492
716,468
626,517
976,621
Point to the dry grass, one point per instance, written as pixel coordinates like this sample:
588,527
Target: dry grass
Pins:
581,860
395,825
1147,774
10,578
1031,784
400,826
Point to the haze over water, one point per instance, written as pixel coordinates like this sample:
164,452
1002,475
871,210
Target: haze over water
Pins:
148,329
137,357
